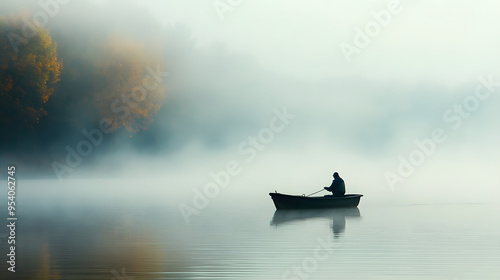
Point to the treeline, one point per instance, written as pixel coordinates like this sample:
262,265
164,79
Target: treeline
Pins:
74,74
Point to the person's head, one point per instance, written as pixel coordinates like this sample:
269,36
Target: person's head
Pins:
335,175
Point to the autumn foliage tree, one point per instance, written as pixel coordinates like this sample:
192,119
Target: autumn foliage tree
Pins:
126,94
109,74
29,71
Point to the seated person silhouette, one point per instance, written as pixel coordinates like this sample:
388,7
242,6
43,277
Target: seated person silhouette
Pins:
338,186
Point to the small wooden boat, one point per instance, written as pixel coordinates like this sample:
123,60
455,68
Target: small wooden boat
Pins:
285,201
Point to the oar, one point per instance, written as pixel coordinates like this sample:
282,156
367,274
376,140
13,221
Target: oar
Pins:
316,192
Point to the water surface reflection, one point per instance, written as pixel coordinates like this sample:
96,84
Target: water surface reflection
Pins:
71,236
337,216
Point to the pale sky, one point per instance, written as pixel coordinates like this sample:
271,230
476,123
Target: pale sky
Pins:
445,41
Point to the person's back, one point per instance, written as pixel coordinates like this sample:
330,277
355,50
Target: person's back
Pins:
338,185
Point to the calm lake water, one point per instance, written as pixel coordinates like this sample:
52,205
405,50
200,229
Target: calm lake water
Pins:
92,233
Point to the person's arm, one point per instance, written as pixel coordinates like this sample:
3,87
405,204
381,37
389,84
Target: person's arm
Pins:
331,187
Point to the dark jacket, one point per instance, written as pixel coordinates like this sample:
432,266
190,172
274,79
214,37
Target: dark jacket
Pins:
337,187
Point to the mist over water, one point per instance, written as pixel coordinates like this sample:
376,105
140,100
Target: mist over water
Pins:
255,98
218,93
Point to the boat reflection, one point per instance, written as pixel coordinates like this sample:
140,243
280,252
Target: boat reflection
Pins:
337,216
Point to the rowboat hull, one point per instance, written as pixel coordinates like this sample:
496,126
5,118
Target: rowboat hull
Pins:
284,201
